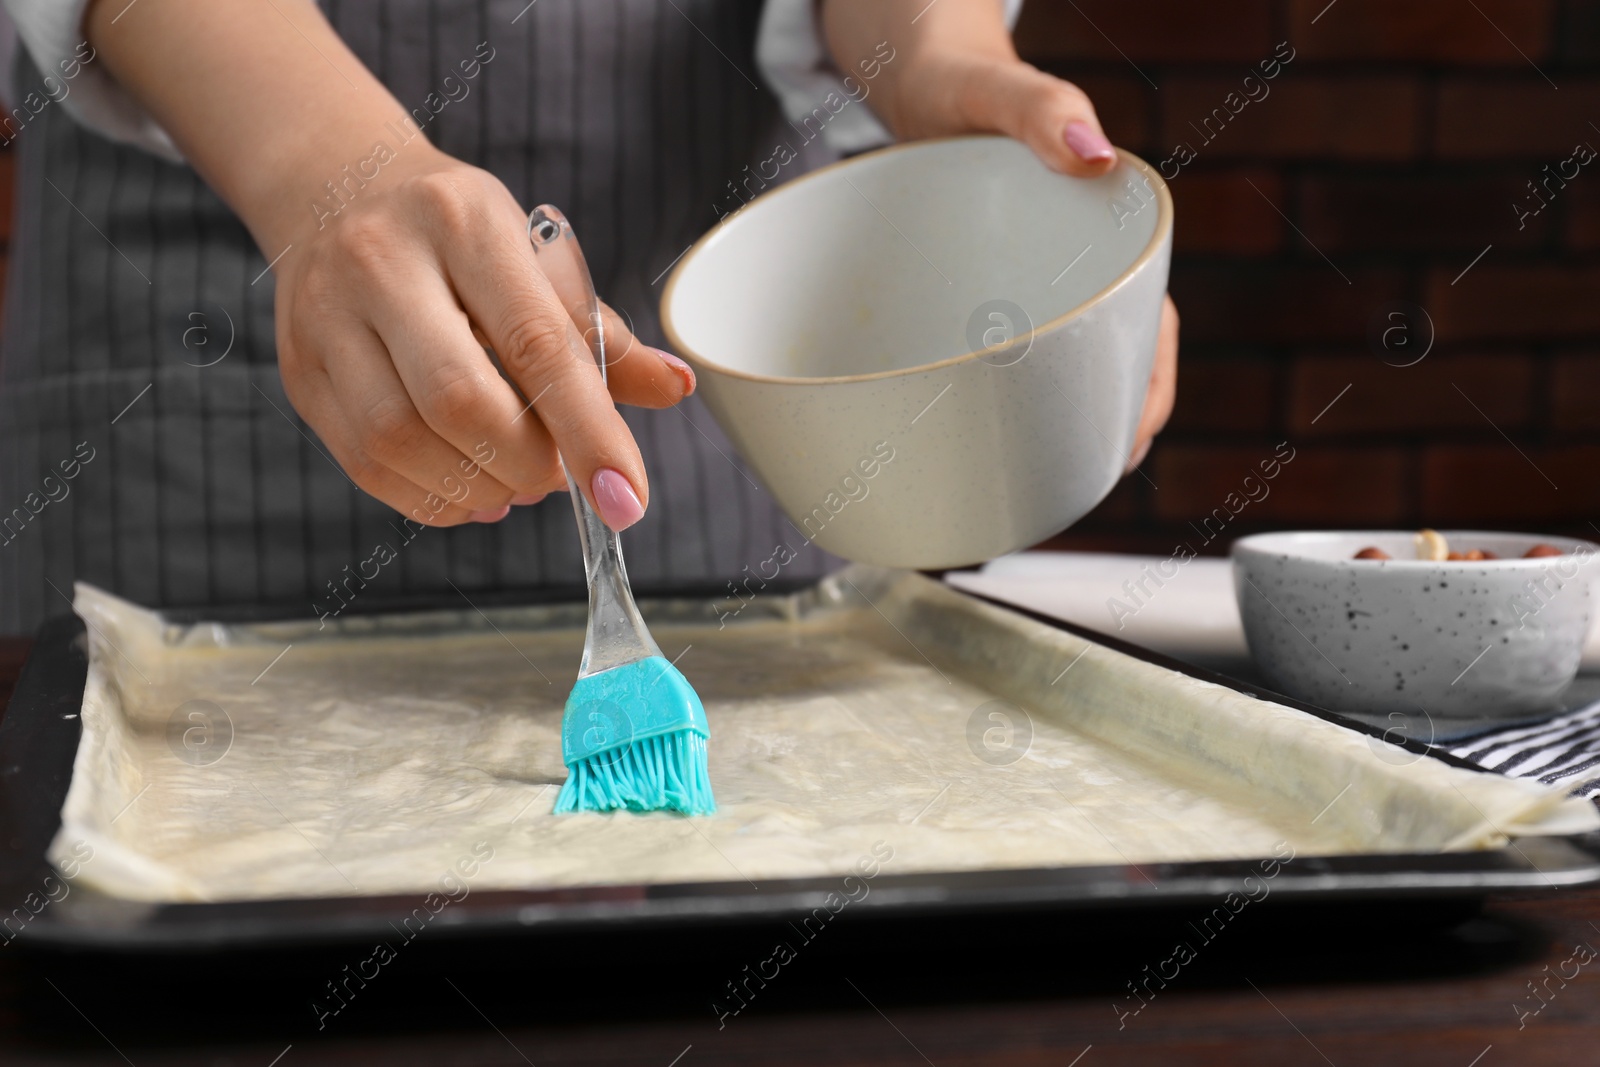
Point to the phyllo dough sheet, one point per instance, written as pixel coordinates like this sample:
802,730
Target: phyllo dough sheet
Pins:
879,714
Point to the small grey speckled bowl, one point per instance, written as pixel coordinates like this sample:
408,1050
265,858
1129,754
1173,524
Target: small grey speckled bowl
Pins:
1449,638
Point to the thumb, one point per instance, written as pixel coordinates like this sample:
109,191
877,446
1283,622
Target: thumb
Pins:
1051,116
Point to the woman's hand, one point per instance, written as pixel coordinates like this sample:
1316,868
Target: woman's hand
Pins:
394,267
382,321
955,71
1163,386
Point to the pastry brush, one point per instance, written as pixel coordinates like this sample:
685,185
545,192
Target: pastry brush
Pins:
633,735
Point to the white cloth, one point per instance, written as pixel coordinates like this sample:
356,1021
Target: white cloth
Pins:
790,53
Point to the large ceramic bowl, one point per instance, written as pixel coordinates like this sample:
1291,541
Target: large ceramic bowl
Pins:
934,354
1448,638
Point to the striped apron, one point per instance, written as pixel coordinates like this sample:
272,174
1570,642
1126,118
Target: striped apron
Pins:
146,444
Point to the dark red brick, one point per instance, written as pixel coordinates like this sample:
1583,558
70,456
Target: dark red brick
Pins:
1146,31
1424,31
1581,202
1517,302
1219,211
1229,395
1575,392
1428,212
1124,504
1497,118
1494,483
1435,394
1303,117
1269,302
1324,485
1579,36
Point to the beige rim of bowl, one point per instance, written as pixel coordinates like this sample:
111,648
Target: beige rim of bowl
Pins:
1163,228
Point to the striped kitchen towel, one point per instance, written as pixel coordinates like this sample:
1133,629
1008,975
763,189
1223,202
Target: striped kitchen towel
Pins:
1564,750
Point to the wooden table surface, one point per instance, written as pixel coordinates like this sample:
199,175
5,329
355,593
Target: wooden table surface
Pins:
1371,986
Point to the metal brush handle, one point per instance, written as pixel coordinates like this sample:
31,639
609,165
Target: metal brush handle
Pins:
616,634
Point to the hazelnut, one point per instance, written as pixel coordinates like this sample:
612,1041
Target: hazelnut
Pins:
1542,550
1478,553
1372,553
1431,545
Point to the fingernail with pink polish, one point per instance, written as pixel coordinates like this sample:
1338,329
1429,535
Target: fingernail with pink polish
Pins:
685,371
494,515
522,500
615,499
1089,143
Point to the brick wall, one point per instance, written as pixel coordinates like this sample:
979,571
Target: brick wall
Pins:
1383,159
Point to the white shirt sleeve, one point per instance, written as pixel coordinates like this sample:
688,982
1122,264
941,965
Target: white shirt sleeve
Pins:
52,32
794,62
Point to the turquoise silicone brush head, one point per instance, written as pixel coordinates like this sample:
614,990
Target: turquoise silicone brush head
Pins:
633,735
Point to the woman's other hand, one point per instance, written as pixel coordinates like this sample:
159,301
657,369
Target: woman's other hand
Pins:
1163,385
955,71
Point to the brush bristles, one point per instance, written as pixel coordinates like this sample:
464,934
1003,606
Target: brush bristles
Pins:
667,772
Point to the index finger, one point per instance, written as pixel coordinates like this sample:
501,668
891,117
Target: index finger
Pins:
499,282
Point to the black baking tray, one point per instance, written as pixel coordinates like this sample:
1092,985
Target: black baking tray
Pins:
39,739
